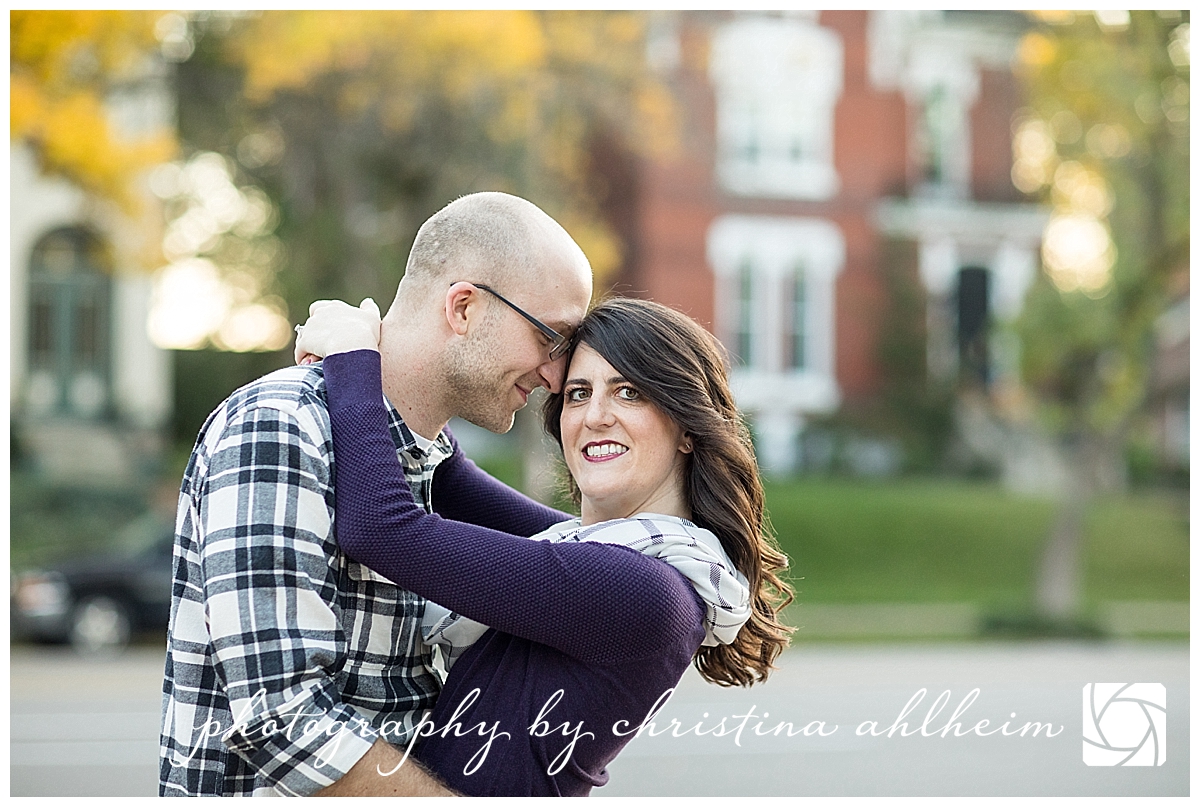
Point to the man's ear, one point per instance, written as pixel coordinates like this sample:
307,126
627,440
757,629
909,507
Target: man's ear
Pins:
461,300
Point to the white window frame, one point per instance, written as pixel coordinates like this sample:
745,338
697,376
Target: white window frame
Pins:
776,80
775,245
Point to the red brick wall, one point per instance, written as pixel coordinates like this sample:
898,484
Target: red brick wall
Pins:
871,156
991,137
677,198
870,127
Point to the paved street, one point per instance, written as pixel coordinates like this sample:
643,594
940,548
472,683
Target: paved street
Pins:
91,727
848,685
84,728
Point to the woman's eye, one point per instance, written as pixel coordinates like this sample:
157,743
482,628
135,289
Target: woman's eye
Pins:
628,394
577,394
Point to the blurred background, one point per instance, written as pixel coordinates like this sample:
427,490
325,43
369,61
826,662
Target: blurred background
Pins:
947,252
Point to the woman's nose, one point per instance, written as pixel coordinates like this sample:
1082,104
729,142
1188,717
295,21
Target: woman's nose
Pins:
599,411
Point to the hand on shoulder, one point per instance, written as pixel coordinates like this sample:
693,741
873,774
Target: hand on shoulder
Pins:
337,327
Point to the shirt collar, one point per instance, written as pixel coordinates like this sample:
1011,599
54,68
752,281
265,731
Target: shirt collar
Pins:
413,445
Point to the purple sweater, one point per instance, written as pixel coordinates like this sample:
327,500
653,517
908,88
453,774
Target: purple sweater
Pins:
585,635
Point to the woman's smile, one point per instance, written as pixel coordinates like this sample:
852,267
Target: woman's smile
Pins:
604,451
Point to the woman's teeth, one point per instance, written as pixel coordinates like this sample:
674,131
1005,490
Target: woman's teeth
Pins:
605,450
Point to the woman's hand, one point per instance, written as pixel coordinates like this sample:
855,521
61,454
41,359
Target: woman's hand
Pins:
337,327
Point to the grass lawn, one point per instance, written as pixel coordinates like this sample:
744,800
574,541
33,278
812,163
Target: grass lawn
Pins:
928,541
945,541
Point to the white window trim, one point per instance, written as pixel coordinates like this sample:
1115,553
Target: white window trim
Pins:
941,68
750,59
777,245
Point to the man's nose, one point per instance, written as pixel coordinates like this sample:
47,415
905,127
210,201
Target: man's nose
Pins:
552,374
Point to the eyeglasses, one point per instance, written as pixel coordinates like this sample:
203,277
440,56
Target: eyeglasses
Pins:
558,343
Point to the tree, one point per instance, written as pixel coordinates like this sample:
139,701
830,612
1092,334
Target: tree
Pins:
1106,142
64,65
359,125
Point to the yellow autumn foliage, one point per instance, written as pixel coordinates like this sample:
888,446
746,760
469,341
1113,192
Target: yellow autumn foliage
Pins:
527,78
62,65
1035,52
598,242
286,50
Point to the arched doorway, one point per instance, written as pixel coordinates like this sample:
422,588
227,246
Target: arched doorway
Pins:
70,304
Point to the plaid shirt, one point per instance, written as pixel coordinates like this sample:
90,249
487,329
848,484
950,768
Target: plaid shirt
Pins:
286,659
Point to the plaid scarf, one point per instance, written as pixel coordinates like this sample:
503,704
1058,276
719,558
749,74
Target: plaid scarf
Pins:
694,552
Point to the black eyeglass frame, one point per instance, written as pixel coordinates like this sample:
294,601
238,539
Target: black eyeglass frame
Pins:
559,343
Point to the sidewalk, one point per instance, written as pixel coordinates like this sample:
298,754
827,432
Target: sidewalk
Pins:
883,621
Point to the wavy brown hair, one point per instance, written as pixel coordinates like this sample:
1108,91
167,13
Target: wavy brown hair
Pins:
680,368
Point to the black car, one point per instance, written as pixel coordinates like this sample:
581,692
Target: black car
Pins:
98,602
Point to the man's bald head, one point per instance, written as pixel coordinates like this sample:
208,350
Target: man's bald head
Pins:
450,348
492,238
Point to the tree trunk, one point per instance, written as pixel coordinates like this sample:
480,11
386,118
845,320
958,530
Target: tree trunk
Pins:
1094,465
1060,573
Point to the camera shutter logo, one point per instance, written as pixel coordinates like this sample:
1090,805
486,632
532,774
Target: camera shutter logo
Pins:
1124,724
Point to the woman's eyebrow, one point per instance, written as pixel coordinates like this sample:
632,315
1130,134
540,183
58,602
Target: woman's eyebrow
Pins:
617,379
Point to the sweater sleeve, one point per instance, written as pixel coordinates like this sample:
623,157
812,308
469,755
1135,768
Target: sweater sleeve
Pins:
596,602
463,492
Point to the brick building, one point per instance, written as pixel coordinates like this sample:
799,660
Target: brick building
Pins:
812,144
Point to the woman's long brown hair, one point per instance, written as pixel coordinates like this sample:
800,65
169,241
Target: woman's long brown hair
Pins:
680,368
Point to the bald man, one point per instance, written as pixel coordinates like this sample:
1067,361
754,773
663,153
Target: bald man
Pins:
291,669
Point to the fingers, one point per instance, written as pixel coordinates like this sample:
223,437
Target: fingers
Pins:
312,341
317,305
303,353
370,307
337,327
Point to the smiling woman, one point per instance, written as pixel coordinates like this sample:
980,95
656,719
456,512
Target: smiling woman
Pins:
676,370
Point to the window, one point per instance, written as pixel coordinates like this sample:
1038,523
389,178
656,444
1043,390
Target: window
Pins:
743,339
69,309
936,137
796,321
943,135
775,291
777,82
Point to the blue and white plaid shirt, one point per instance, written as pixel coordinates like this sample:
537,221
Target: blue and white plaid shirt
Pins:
286,659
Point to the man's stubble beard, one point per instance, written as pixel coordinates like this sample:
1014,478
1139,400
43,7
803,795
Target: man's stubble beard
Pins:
476,392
